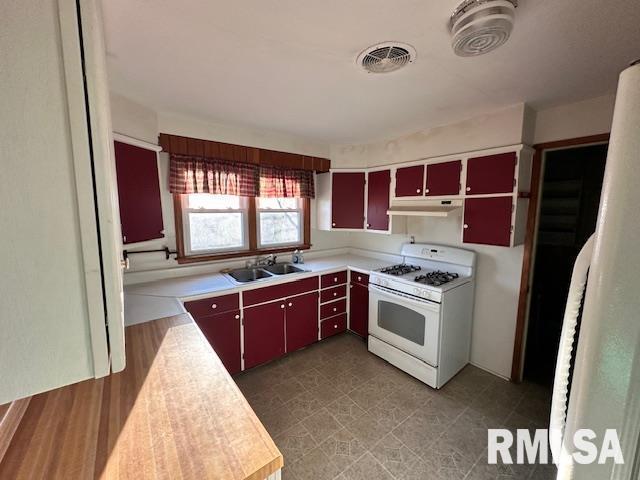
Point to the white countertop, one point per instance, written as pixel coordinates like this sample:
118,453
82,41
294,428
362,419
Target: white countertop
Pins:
193,287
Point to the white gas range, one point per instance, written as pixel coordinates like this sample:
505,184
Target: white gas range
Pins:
420,312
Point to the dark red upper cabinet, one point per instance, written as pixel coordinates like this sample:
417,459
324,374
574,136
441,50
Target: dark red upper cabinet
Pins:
138,193
409,181
302,321
378,200
488,221
223,333
491,174
359,309
443,178
347,200
263,333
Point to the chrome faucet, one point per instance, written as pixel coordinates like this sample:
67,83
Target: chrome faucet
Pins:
266,261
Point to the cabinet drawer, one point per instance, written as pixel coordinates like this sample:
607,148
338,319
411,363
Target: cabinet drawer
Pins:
333,308
213,305
334,325
333,279
333,293
360,278
283,290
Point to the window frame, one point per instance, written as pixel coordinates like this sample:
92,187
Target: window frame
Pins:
260,211
252,230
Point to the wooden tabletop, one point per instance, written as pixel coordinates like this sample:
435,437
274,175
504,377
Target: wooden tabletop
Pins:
174,412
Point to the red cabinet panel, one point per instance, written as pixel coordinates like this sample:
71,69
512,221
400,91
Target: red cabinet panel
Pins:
332,279
361,278
359,309
491,174
212,306
333,308
347,200
487,220
443,178
301,321
378,200
283,290
263,333
138,193
409,181
333,293
223,333
334,325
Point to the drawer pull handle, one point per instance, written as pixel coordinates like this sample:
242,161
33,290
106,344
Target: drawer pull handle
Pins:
213,305
335,279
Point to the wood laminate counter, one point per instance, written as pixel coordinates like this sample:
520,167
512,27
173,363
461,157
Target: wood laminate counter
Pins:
174,412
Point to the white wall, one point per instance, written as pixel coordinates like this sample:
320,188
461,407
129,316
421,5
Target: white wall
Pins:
135,120
579,119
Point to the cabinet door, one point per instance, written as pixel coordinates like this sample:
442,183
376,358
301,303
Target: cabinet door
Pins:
223,333
138,193
347,200
302,321
488,220
263,333
409,181
443,178
491,174
359,309
378,200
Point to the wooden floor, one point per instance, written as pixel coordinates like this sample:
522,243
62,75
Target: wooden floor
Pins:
174,412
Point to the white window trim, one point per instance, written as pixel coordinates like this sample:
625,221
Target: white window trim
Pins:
186,228
299,210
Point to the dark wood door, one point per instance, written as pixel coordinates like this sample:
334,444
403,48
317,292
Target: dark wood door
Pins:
223,333
491,174
378,200
359,309
347,200
138,193
302,321
488,220
443,178
409,181
263,333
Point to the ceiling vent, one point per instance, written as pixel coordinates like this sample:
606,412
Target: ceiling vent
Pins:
480,26
386,57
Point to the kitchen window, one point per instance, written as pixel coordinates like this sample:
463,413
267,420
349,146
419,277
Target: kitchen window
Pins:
211,226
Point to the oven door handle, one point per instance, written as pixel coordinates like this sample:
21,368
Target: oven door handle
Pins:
399,297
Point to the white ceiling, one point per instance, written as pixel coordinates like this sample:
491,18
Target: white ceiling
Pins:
289,65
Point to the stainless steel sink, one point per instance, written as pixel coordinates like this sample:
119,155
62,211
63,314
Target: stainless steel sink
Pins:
283,268
245,275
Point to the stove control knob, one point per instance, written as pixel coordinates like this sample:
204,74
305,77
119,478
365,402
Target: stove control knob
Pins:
417,291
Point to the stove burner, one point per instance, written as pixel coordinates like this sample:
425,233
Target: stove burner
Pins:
397,270
436,278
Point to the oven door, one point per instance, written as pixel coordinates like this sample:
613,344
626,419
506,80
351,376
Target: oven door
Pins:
407,323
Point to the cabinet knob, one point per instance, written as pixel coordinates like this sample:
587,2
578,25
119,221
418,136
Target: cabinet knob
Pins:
213,305
418,190
426,190
359,278
368,225
335,326
465,226
282,306
468,189
237,317
333,224
335,309
290,304
335,279
335,294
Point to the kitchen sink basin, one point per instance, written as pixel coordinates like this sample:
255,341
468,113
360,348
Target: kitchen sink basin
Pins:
246,275
283,268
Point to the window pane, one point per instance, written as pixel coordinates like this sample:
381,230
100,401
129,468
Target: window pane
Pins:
211,231
214,202
279,228
277,203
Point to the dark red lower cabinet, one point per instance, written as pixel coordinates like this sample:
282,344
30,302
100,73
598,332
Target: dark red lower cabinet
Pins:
488,221
359,309
223,333
301,321
263,333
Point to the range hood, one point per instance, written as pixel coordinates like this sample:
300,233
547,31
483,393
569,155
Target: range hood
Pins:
439,208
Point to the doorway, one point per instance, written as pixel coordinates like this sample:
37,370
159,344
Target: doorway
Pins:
571,184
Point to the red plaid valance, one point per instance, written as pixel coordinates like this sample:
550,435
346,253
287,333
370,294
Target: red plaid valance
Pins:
286,182
188,174
203,175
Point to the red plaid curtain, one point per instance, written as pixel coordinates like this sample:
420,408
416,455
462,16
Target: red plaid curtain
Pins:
286,182
202,175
